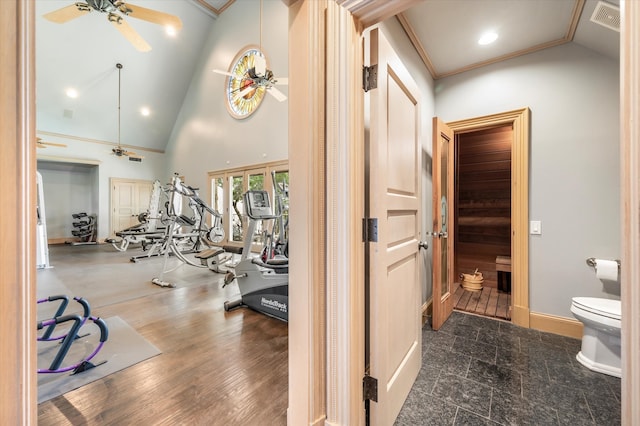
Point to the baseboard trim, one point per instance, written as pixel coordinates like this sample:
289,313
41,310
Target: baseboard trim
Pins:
61,240
557,325
521,316
427,310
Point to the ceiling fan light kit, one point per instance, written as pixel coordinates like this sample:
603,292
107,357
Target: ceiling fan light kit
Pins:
116,10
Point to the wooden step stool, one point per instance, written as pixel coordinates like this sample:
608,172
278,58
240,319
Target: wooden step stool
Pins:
503,269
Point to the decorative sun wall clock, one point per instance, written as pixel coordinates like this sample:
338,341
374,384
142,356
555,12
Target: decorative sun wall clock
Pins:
243,95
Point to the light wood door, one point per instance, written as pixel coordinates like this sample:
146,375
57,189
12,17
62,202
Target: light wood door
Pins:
129,198
443,208
393,182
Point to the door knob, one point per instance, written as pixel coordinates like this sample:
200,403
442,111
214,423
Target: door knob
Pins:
423,245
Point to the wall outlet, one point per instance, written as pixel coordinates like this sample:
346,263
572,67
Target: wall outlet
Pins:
535,227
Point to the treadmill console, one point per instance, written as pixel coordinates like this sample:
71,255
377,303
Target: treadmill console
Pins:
258,205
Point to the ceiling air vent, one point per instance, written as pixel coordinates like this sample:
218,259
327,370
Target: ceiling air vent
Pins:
607,15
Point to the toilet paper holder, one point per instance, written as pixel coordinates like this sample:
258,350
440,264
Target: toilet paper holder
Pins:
591,261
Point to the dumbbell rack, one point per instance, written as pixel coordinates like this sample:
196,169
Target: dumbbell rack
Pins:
84,228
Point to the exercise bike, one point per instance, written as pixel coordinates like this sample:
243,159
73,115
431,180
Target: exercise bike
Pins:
263,285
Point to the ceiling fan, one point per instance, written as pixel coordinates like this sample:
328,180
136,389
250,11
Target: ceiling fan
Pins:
249,74
42,144
116,10
256,77
119,151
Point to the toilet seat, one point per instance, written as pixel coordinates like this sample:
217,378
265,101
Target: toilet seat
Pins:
602,307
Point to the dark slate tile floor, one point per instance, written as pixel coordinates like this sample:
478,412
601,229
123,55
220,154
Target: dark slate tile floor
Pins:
483,371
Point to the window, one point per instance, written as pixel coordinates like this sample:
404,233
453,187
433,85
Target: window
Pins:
227,188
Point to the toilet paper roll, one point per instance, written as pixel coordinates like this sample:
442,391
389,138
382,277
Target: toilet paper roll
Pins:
607,270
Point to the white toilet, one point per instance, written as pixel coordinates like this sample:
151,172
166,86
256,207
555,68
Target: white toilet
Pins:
601,338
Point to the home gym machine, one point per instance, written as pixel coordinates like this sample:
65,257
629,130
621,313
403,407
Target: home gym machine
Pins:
263,285
149,225
42,246
199,240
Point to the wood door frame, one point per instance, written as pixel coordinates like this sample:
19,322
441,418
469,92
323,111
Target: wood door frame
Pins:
308,405
519,120
630,209
18,387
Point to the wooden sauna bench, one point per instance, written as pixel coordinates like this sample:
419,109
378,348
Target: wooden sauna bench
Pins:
482,256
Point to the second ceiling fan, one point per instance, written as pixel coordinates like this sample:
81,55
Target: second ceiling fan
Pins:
116,10
119,151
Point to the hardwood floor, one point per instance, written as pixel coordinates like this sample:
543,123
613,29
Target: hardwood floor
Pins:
489,302
216,368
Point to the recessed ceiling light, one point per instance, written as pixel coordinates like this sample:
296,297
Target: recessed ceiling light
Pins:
488,38
171,31
145,111
72,93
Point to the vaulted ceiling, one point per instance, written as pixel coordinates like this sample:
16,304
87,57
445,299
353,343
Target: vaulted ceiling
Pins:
83,54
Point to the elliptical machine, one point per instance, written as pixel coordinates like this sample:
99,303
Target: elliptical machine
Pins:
264,285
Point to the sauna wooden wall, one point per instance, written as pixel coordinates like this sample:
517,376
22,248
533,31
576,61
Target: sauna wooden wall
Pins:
483,196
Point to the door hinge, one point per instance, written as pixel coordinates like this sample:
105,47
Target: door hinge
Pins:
370,230
370,388
370,77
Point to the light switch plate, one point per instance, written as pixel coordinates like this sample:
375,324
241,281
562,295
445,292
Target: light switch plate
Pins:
535,227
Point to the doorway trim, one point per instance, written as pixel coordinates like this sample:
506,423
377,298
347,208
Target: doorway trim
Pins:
519,121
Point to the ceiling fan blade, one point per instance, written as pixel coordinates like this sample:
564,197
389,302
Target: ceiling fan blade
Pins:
153,16
42,144
281,81
276,94
245,91
67,13
224,73
260,65
130,34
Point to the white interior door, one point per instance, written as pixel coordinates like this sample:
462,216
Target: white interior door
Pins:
129,198
393,182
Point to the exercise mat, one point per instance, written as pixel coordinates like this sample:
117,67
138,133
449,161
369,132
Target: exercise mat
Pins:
124,348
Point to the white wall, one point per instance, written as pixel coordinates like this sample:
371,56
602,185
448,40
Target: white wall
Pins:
573,94
405,50
109,166
205,136
68,189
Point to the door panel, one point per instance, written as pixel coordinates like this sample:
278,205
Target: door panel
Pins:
128,200
125,204
393,182
443,208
